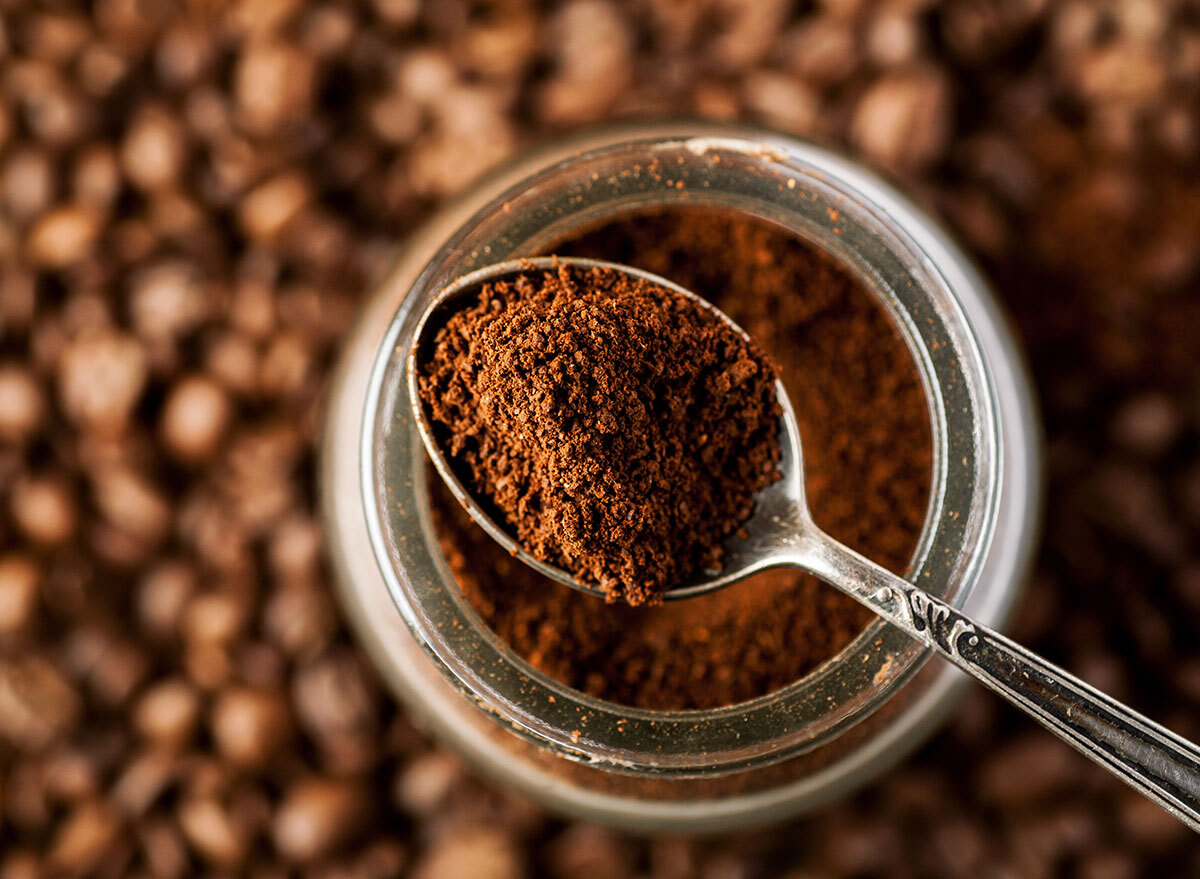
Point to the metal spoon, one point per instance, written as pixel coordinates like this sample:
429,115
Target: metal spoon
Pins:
1152,759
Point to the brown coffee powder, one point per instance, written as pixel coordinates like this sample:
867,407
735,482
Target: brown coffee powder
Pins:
867,451
619,428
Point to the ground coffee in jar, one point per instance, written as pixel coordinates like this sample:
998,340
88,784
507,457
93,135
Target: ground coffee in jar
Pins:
863,416
619,428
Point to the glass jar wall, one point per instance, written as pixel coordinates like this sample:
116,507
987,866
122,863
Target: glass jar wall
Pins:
672,770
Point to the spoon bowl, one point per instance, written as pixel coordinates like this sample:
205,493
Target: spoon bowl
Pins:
780,508
781,533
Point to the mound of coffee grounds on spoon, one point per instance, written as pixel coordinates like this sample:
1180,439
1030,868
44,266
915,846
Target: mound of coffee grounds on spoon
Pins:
868,448
619,428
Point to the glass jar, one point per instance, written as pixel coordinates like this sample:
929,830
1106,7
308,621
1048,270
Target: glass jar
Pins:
746,763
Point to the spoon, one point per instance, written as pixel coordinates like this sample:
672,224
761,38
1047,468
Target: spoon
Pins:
781,533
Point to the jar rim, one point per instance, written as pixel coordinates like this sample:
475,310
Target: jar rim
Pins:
875,244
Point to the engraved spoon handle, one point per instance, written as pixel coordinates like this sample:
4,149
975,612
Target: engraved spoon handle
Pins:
1148,757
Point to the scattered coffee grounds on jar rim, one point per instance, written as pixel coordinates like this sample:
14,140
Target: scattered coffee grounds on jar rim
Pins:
862,412
619,428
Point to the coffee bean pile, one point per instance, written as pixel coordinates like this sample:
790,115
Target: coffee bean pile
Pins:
194,196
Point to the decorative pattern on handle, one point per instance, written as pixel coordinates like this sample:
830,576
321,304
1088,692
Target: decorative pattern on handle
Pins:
948,628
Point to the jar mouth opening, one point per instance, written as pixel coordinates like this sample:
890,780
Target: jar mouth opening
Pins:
748,176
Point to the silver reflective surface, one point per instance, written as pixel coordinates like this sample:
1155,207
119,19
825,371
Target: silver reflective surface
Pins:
777,506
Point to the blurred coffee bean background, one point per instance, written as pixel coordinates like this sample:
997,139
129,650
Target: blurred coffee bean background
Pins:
194,198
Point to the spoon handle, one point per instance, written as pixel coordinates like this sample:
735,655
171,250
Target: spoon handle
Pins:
1150,758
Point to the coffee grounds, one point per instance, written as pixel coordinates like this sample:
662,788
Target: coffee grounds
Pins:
619,428
867,452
